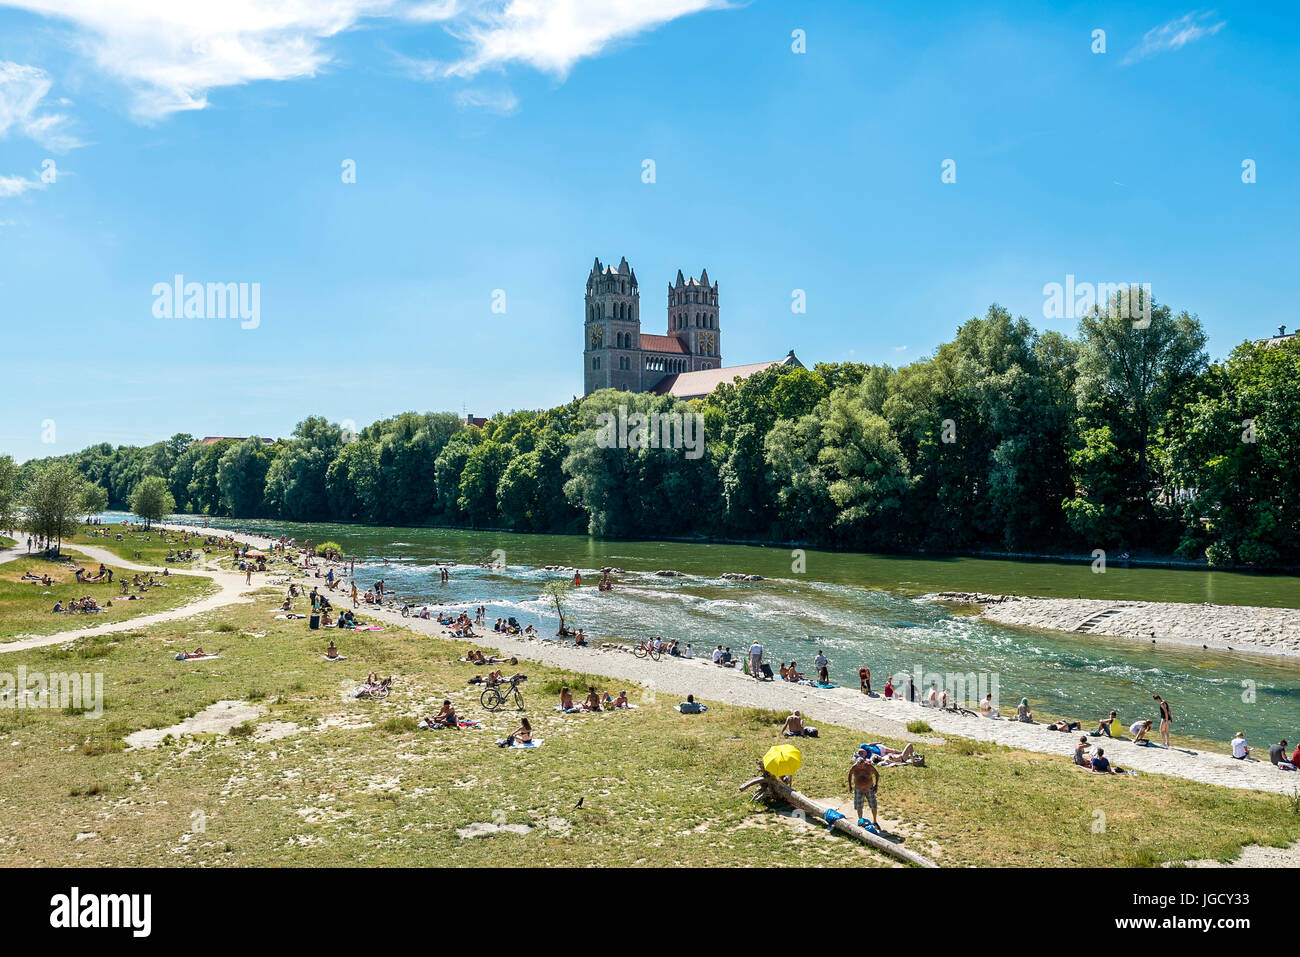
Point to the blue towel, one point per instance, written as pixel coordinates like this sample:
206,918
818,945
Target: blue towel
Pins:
832,816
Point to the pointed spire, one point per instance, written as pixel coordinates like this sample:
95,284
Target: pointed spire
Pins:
704,277
595,269
623,268
680,281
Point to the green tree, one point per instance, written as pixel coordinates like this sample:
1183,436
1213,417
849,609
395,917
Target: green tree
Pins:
151,500
9,493
241,477
54,500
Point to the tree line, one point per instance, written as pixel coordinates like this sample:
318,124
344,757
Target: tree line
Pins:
1122,437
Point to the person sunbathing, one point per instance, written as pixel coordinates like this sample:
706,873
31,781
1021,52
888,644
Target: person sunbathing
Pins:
1081,752
1109,726
795,728
878,753
592,701
619,702
580,640
474,656
566,699
521,735
332,651
793,673
445,718
1063,725
494,677
1023,713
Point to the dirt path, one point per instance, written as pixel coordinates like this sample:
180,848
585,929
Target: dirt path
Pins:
231,590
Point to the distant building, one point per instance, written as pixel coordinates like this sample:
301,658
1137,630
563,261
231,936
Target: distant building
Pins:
686,362
478,420
214,439
1281,337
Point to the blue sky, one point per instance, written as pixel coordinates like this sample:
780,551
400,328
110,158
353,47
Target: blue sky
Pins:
499,146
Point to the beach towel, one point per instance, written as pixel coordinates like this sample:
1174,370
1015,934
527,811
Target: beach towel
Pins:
535,743
339,658
564,710
832,816
702,709
185,657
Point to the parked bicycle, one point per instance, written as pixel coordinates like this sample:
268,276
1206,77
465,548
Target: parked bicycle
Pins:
496,696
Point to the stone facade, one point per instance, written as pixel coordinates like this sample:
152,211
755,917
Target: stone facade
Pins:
617,355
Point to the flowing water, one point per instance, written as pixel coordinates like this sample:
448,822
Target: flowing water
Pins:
861,609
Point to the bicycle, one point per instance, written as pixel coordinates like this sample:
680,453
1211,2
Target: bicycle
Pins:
647,650
958,709
495,696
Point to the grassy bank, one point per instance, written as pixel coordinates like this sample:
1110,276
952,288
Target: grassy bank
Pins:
322,779
25,606
137,545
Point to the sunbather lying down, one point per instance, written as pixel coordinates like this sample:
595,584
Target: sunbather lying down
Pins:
878,753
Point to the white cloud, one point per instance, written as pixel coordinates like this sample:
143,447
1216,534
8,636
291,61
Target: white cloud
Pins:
1176,34
172,53
552,35
503,102
22,90
17,185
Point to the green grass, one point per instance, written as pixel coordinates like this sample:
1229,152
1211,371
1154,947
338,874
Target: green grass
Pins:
137,545
358,785
25,607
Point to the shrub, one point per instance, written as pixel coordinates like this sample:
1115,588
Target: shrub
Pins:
919,727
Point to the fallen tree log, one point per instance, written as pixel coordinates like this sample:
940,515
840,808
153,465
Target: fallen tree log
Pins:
771,788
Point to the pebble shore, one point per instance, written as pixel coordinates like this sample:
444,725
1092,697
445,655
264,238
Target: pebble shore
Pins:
1272,631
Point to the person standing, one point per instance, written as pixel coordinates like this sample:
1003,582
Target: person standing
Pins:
1166,719
863,781
756,660
822,663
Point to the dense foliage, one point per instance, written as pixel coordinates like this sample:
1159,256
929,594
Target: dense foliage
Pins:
1005,439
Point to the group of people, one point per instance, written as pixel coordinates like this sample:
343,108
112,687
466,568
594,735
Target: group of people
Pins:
594,701
86,605
1279,754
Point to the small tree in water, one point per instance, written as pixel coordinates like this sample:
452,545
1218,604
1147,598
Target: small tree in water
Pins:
558,593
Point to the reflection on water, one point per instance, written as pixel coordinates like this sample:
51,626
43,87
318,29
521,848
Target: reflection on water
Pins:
883,624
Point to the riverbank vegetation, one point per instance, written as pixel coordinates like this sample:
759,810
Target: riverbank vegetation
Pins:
1006,438
319,778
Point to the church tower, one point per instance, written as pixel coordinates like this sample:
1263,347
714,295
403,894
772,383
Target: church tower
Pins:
693,318
612,329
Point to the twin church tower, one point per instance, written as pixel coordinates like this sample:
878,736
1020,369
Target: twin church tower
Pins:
618,355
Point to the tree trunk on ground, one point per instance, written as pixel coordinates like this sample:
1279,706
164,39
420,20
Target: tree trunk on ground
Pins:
770,788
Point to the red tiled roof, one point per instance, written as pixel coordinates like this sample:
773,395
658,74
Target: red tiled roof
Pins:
652,343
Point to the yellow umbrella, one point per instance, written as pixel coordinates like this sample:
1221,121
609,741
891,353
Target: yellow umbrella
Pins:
782,759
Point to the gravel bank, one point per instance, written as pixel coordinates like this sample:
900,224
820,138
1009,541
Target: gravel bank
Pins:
1271,631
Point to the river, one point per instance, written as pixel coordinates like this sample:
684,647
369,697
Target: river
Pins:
861,609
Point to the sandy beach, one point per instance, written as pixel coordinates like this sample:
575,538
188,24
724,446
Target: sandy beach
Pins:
1269,631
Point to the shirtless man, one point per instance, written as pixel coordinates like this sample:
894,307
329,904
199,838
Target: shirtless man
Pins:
795,728
863,779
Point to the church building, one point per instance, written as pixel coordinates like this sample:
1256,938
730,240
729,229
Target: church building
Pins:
686,362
